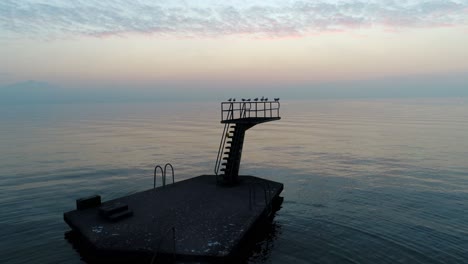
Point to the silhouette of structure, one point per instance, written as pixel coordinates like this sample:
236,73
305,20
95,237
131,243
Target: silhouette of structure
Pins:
189,220
238,117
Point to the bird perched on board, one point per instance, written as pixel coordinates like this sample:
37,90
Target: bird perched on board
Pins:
256,99
230,99
276,99
266,99
248,100
262,99
234,99
243,100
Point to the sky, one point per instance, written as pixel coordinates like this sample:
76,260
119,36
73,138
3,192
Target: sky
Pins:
229,47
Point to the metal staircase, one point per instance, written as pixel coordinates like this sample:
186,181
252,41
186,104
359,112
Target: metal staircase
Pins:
238,117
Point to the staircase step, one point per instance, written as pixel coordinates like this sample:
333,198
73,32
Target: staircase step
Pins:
110,209
118,216
227,152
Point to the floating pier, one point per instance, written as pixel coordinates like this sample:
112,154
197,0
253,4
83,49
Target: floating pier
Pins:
206,218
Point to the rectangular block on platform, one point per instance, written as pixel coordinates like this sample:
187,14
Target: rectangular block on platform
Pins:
88,202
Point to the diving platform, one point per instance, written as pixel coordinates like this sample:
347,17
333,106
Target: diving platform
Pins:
209,218
190,220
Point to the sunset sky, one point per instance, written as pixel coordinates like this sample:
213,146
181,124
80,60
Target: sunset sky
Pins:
195,43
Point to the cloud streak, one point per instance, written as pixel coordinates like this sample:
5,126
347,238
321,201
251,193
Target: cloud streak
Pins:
55,18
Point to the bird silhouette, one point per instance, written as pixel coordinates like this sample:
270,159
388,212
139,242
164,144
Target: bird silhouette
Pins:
256,99
230,99
243,100
234,99
263,98
276,99
266,99
248,100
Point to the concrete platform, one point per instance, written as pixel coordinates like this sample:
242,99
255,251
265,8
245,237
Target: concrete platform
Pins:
208,221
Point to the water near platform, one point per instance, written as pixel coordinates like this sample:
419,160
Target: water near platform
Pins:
371,181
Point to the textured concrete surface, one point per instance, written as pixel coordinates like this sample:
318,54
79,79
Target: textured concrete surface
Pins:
209,220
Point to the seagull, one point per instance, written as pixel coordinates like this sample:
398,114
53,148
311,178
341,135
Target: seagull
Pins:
276,99
256,99
263,98
230,99
248,100
243,100
234,99
266,99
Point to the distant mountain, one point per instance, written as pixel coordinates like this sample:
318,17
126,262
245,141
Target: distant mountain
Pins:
30,84
29,92
34,92
37,92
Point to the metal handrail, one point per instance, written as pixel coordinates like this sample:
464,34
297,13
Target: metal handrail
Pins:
252,191
222,144
172,168
244,109
238,110
234,146
266,190
155,254
269,196
162,175
221,148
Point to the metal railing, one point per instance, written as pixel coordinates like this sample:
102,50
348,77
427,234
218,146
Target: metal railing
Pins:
155,173
171,231
239,110
163,174
266,191
172,169
221,147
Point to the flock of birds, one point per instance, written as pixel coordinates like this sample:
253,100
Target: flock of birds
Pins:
263,99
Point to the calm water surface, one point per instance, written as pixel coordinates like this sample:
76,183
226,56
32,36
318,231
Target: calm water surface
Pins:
372,181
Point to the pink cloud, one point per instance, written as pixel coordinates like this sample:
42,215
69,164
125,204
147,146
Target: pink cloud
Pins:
258,19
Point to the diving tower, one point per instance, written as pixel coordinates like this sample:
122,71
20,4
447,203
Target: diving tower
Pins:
237,118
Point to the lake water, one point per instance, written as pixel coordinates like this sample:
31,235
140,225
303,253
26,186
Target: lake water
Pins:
366,181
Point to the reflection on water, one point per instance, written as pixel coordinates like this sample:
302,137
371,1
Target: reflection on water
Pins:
365,181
